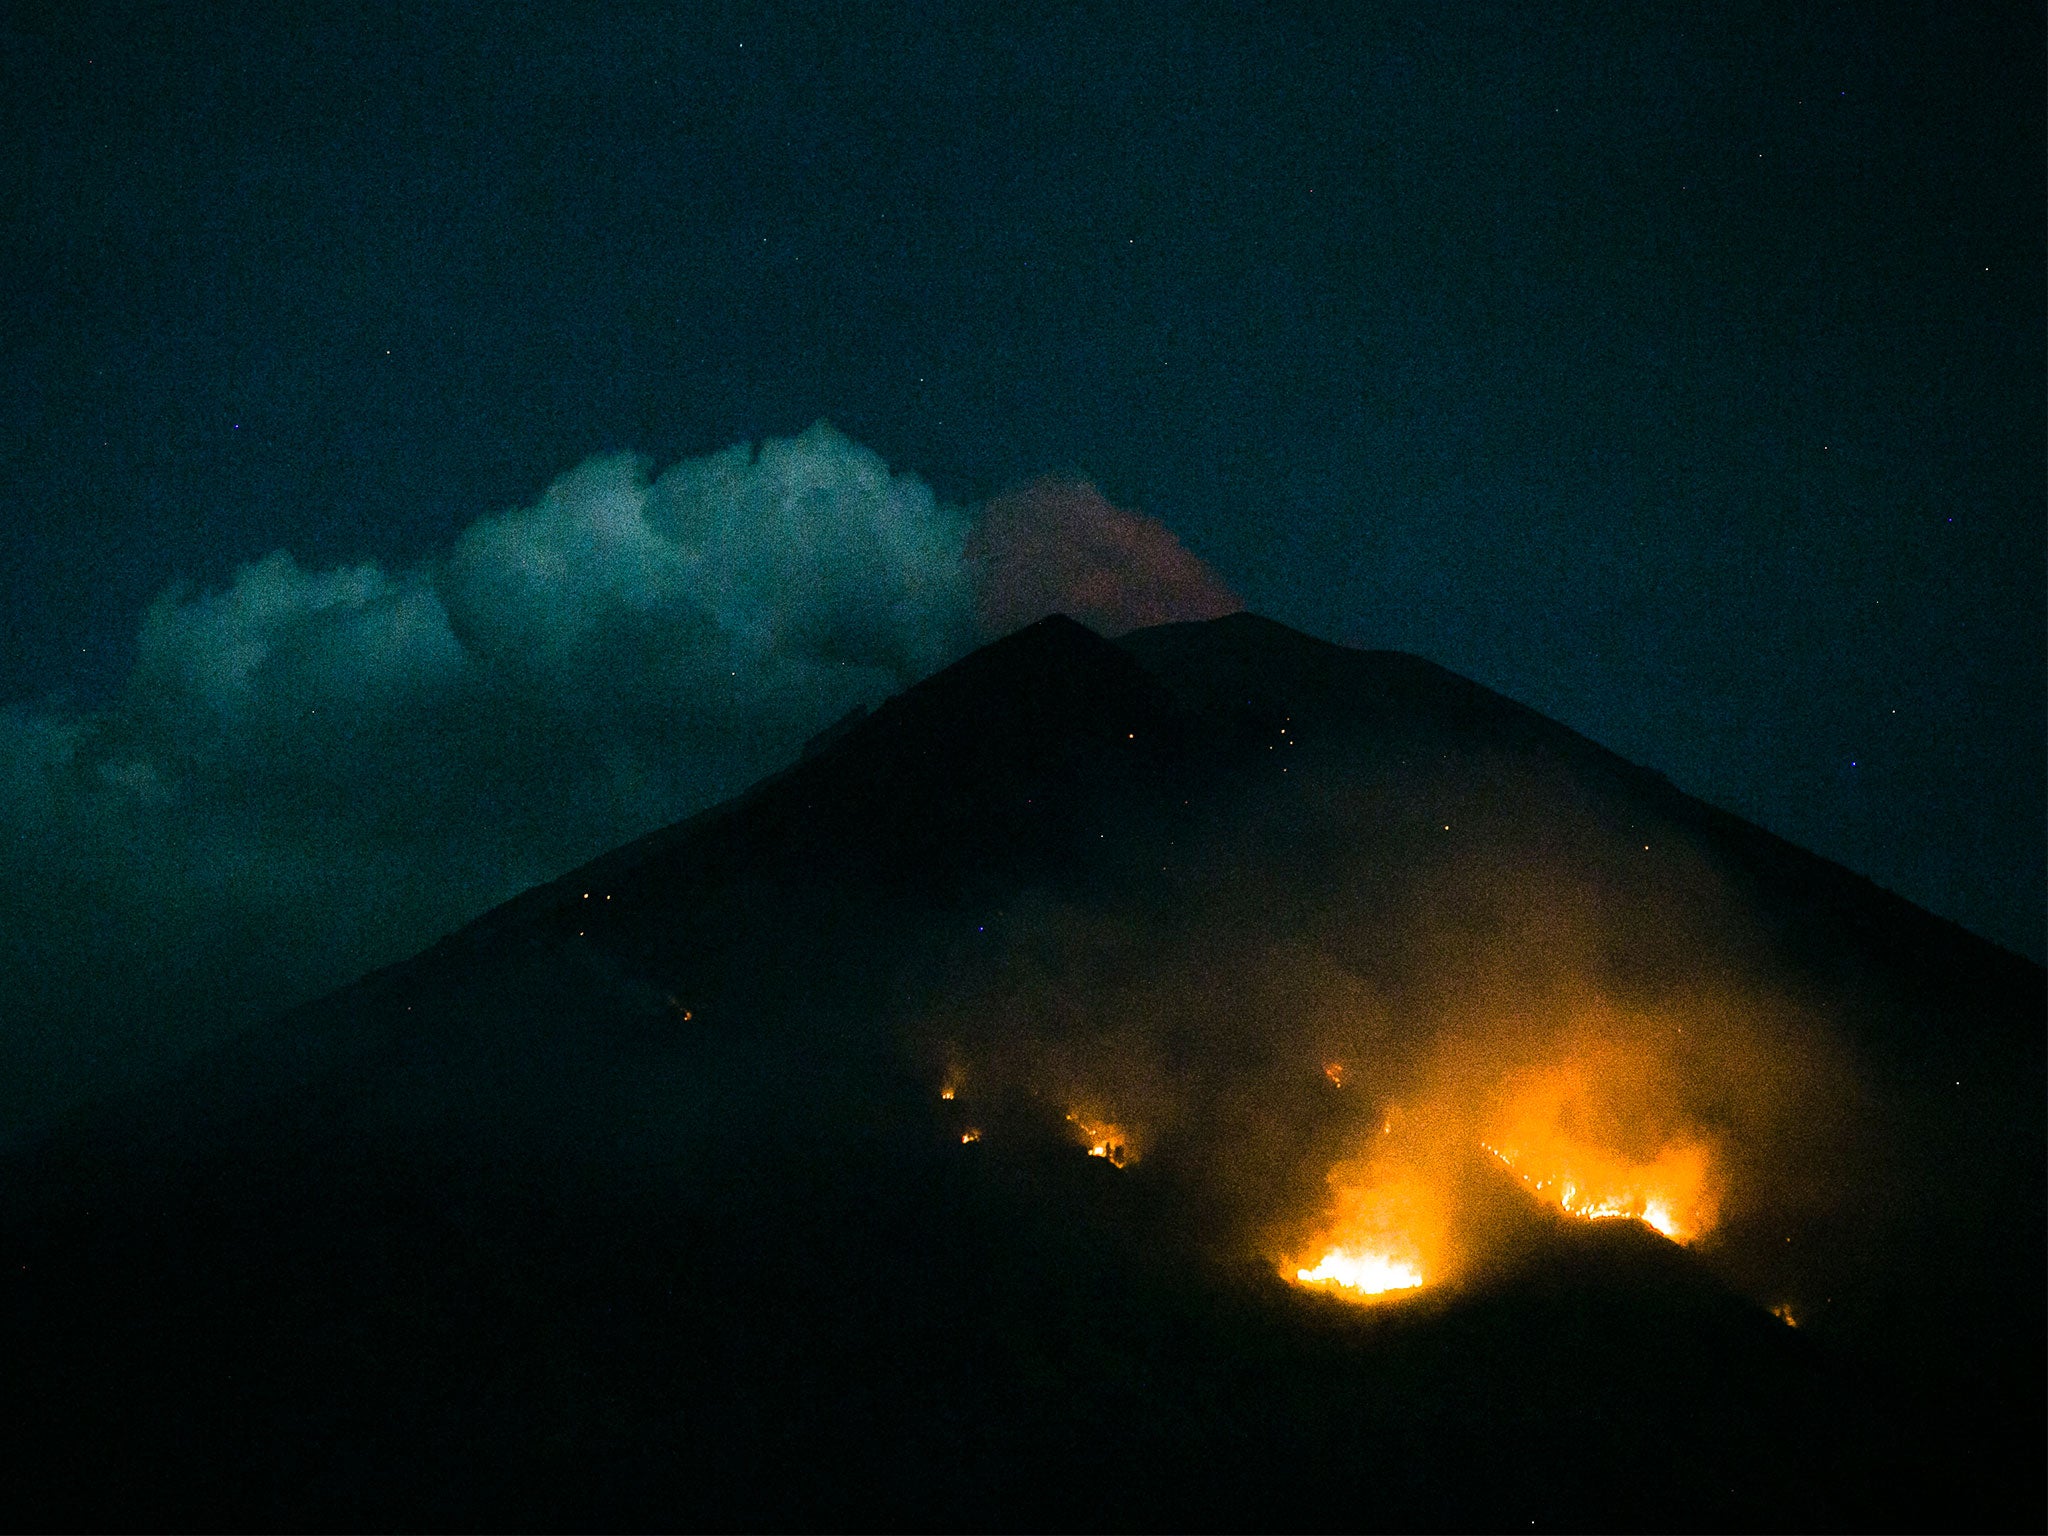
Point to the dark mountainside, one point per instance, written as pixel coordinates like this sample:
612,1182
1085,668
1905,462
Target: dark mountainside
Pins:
637,1201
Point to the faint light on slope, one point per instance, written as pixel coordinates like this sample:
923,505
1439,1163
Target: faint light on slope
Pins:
1103,1139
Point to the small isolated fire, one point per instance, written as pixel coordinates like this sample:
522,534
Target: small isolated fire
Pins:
1556,1135
1103,1140
1384,1226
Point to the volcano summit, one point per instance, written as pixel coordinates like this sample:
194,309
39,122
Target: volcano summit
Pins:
1208,1079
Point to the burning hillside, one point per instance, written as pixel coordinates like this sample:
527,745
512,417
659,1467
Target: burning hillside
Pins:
1345,1123
1385,1234
1540,1141
1395,1208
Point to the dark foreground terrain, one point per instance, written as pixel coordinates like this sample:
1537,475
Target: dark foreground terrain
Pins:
636,1203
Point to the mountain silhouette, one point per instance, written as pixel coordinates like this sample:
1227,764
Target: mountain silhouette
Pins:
941,1132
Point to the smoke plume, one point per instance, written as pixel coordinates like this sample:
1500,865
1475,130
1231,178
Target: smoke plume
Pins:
1058,546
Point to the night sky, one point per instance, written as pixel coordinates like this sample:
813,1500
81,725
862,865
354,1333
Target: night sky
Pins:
1678,372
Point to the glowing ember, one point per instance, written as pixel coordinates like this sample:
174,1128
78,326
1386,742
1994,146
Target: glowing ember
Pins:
1104,1140
1783,1313
946,1092
969,1135
1334,1071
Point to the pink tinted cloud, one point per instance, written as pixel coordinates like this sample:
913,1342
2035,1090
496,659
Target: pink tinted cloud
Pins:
1060,546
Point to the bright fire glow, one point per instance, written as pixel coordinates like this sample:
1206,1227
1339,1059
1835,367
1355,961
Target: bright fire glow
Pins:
969,1135
1550,1138
1384,1225
946,1092
1370,1274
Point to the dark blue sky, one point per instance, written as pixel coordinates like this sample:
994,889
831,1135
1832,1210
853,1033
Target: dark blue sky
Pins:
1678,371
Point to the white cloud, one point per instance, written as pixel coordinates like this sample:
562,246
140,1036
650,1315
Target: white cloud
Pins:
313,772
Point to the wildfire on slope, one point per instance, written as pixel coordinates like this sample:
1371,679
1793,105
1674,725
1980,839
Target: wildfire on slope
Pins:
1373,1143
1384,1234
1368,1272
1595,1131
1556,1132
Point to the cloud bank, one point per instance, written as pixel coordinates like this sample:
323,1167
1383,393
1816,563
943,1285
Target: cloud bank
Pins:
311,773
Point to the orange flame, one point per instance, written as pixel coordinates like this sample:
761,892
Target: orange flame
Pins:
1383,1238
1369,1274
1550,1139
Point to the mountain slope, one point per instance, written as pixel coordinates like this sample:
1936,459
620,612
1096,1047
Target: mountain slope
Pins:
638,1201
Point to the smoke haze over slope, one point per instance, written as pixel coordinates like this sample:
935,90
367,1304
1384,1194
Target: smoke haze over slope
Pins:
1374,957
